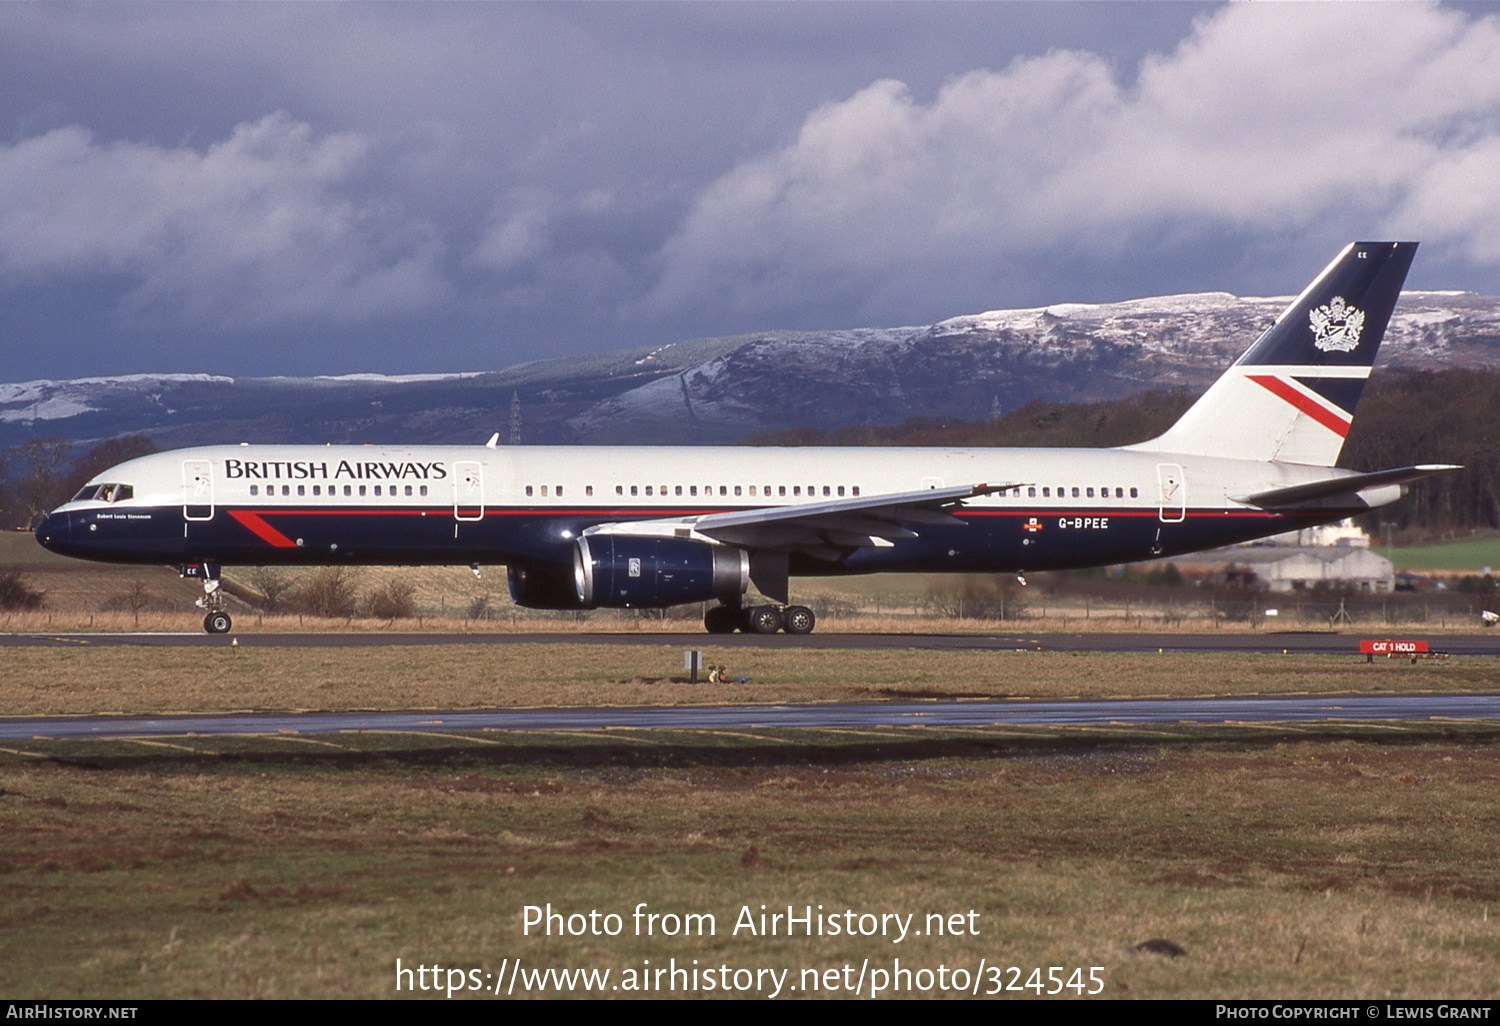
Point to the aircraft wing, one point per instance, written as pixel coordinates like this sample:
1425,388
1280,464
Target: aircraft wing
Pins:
1342,487
823,529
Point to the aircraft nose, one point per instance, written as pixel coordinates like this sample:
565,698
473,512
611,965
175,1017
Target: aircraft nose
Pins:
49,530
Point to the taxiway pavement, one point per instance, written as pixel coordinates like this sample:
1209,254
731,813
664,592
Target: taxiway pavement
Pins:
1317,642
1295,709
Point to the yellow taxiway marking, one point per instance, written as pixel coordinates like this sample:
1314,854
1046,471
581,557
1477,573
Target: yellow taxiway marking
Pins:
434,733
304,740
163,744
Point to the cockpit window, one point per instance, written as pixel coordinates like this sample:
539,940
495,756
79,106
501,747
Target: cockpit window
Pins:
104,493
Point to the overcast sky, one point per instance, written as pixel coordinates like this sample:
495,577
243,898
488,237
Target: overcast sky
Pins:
331,188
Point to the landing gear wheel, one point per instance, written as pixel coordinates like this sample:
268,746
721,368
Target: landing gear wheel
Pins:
217,621
799,620
721,620
763,619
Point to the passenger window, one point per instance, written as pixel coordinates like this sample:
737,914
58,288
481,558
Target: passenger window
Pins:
255,489
619,489
286,489
361,491
302,490
349,490
752,491
1031,493
677,490
692,489
1090,492
408,489
318,490
377,489
841,489
634,490
825,490
1075,491
544,491
1046,493
557,491
528,490
796,489
856,489
737,490
1119,493
648,489
723,490
421,489
1134,494
781,490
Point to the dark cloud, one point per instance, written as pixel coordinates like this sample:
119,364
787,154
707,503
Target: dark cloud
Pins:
295,188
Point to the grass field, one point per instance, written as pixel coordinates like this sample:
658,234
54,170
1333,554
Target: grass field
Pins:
77,679
1470,556
1292,864
1302,860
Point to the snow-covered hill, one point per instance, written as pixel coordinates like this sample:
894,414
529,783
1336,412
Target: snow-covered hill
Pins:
722,389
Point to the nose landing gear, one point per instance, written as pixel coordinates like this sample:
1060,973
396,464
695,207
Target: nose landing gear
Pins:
216,618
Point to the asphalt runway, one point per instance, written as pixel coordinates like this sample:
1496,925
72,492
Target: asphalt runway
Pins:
741,717
1316,642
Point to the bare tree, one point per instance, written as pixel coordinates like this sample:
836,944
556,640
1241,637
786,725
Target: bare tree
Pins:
17,592
274,585
35,470
393,600
330,592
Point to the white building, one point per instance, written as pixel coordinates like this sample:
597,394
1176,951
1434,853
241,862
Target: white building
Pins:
1343,534
1288,568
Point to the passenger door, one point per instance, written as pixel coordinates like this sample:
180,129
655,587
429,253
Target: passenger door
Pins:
468,491
1172,488
197,490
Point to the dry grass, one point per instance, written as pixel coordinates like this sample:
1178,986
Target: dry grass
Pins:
83,679
1293,869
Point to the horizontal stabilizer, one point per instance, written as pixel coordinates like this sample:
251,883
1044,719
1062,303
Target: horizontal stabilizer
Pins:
1316,491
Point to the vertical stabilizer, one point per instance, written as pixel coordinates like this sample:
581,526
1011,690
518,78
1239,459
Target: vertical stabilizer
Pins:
1291,397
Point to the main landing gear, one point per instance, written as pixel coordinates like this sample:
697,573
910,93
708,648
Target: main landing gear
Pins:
216,618
759,619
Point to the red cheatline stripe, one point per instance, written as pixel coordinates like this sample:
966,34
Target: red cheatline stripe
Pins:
262,530
1318,412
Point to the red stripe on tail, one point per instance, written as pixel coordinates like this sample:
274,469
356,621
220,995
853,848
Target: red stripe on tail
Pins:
1339,425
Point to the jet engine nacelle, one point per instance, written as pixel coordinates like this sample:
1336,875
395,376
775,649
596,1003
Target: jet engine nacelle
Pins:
543,588
635,572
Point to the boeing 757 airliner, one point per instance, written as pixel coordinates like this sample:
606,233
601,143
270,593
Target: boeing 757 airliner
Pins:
639,527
